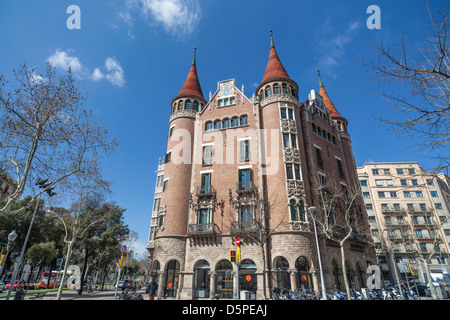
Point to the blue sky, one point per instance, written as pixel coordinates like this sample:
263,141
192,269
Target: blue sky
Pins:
132,57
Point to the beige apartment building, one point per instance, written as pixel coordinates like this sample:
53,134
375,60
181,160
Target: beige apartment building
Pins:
7,186
408,212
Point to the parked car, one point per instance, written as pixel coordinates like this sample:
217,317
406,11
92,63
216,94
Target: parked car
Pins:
32,284
18,285
2,286
129,284
120,284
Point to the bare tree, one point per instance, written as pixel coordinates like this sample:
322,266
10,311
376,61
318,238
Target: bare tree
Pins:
44,130
337,217
257,229
422,71
86,185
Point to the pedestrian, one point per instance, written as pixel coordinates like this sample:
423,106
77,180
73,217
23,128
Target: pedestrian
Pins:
152,288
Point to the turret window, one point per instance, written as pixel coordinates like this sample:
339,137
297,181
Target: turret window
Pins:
195,106
276,88
284,88
268,91
180,105
187,105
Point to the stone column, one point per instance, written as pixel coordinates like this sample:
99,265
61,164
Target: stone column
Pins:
186,285
212,284
293,274
161,283
315,280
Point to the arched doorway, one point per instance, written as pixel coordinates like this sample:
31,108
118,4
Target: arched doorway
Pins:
336,279
224,282
172,278
283,280
201,279
247,277
304,280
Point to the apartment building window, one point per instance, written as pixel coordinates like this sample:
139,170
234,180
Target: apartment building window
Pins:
419,233
387,171
403,182
393,194
245,216
400,220
438,205
287,113
319,157
390,182
366,195
363,183
399,171
207,155
159,181
387,220
167,157
411,171
419,194
293,171
423,207
372,219
434,194
407,194
392,233
289,140
414,182
423,247
205,182
203,216
384,207
245,179
369,206
244,150
156,204
375,172
410,206
415,220
379,183
430,182
381,194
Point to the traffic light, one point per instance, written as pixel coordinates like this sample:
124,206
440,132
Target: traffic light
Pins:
233,256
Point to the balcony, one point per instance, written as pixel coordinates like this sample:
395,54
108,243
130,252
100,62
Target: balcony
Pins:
393,210
205,191
245,187
202,229
244,226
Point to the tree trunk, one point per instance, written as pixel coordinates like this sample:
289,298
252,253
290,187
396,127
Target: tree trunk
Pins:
66,266
344,270
433,291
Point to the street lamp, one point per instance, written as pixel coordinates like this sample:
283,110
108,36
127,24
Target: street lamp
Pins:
49,189
312,211
11,238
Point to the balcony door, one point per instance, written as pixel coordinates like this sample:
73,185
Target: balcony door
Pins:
206,183
244,179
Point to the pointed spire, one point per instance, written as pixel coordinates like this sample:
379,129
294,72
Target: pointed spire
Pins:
327,101
191,85
274,68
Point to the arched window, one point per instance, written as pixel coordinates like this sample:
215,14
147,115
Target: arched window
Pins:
234,122
217,125
276,88
284,88
172,276
335,271
301,210
180,105
293,92
247,277
243,120
304,278
226,123
195,106
224,280
201,279
268,91
187,105
314,129
208,126
283,278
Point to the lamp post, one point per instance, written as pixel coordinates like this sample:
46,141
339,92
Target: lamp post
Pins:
49,190
11,238
312,211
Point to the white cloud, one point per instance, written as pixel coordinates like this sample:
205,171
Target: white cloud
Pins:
116,75
97,75
177,17
62,60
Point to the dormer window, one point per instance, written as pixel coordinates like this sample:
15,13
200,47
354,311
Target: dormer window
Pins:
225,101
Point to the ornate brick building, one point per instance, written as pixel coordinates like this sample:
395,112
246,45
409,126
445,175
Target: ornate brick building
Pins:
244,167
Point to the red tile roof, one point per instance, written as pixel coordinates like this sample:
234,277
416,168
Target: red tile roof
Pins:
191,85
327,101
274,68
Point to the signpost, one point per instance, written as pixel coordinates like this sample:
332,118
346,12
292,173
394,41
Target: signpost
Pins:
123,249
238,262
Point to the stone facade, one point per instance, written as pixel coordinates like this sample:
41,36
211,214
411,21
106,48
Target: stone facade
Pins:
243,167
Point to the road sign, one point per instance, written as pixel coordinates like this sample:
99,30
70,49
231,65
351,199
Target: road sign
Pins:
238,242
124,248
